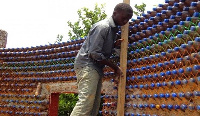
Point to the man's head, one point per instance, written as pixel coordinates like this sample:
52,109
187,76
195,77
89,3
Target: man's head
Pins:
122,13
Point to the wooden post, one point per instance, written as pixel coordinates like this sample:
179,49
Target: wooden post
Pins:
123,66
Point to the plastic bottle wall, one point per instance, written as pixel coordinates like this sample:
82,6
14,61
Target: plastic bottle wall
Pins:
163,69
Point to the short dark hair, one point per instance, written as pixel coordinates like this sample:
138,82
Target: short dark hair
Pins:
123,7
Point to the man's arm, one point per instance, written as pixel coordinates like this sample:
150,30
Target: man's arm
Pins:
116,68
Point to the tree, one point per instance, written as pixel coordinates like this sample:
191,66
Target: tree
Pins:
140,9
66,103
86,19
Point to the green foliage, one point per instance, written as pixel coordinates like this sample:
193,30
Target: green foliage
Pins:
59,38
140,9
66,104
86,19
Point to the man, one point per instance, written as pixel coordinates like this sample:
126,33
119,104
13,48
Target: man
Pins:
93,56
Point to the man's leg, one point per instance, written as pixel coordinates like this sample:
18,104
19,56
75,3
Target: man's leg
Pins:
87,79
97,101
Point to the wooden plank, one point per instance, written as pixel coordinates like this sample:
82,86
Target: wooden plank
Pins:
123,66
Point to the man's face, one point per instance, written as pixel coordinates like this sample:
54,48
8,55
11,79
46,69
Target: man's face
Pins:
121,17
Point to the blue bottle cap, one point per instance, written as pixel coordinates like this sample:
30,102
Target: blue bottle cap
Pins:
146,58
180,23
158,84
163,11
168,72
196,67
170,83
176,107
197,39
181,70
164,84
198,107
183,46
130,27
175,26
198,79
178,82
154,9
174,95
161,95
143,49
158,14
167,95
157,55
131,70
143,68
172,61
138,96
132,78
169,50
169,8
146,105
133,20
136,25
141,23
176,4
154,26
184,81
127,96
196,93
193,28
179,13
152,85
152,105
134,60
132,114
144,96
163,106
176,48
186,9
146,86
166,20
155,95
156,35
139,77
162,32
163,53
172,17
150,76
188,18
144,15
162,74
188,94
183,106
148,47
135,86
130,86
169,29
160,65
194,4
192,80
153,66
170,106
155,75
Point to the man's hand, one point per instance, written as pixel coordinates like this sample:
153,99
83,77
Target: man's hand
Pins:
118,72
118,42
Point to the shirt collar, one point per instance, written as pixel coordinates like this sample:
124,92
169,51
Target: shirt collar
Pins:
111,22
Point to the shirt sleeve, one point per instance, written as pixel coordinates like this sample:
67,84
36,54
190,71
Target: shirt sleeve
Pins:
97,37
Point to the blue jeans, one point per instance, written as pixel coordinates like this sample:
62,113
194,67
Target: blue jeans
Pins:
89,92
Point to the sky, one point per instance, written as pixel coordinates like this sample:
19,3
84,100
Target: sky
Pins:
31,23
